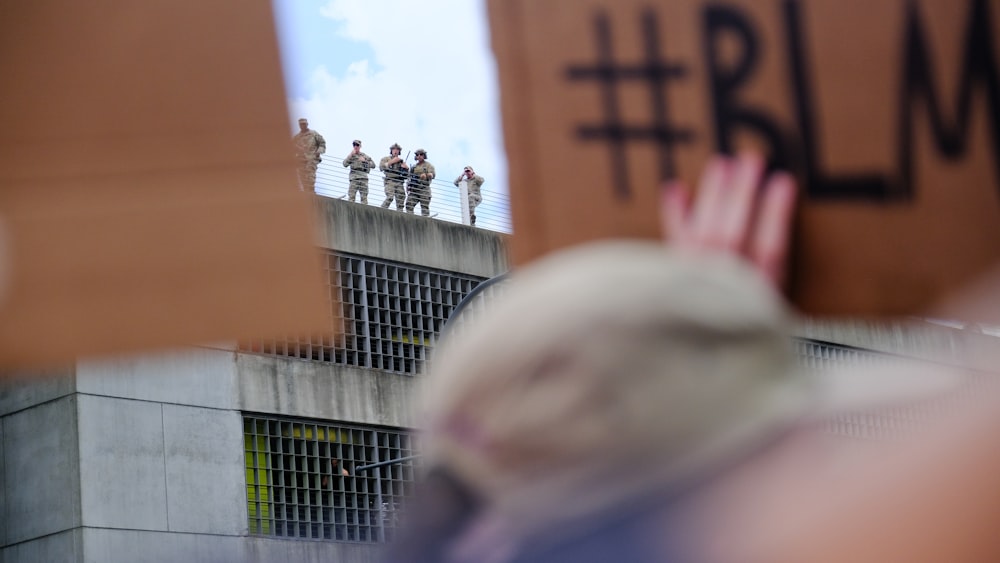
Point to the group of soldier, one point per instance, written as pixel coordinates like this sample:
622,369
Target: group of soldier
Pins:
405,184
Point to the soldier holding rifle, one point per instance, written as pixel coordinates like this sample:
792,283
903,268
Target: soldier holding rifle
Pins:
395,170
360,164
420,184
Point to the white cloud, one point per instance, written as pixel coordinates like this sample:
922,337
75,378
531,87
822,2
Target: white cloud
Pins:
431,84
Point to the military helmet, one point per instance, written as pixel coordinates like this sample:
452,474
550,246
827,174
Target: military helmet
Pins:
420,151
395,146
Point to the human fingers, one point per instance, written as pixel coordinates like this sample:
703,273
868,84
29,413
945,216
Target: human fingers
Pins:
770,239
710,199
675,204
724,219
734,227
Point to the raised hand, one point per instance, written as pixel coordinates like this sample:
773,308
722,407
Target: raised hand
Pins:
736,210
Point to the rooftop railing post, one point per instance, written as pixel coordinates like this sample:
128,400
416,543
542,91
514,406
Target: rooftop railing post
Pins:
463,194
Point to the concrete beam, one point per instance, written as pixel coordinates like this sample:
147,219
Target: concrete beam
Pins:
296,387
391,235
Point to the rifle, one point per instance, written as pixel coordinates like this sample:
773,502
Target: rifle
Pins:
410,176
395,171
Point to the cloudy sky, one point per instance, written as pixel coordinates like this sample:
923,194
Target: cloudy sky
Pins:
385,71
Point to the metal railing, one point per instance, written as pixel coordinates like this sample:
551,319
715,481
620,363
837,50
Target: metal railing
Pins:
493,213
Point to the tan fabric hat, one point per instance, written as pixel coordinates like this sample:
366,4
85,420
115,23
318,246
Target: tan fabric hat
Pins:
609,370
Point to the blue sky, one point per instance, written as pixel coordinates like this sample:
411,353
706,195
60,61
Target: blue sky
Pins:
386,71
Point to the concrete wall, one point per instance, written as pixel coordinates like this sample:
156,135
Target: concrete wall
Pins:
64,547
914,338
23,391
160,467
202,377
39,468
289,386
41,473
136,546
398,236
140,458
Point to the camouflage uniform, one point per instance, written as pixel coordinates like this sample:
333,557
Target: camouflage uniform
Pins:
309,145
475,195
420,189
361,164
395,179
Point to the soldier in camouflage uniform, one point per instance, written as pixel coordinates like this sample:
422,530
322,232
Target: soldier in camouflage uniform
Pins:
309,145
473,183
361,164
395,170
420,184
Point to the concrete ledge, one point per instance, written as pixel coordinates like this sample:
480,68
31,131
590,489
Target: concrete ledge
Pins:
129,546
294,387
266,550
392,235
913,338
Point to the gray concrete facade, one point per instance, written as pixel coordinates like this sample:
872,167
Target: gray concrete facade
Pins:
41,471
140,458
914,337
413,239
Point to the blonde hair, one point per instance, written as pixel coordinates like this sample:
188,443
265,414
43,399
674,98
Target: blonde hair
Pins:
611,357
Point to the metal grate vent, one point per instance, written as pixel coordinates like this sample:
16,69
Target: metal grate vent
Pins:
304,479
390,315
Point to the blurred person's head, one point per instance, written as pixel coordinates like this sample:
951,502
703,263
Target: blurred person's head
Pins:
606,374
605,385
303,124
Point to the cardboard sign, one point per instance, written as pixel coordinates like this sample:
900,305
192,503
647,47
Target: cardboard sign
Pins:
888,113
147,189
